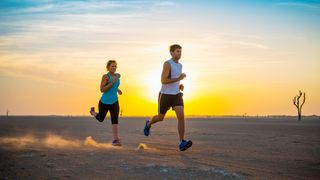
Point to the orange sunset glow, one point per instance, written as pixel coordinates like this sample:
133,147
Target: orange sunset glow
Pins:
246,60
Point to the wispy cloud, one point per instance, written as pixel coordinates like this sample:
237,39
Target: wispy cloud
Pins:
40,72
300,4
165,3
70,33
75,7
252,45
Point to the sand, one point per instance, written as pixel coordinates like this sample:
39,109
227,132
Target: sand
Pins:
56,147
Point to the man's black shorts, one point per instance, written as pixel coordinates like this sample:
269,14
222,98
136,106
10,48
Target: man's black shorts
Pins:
165,101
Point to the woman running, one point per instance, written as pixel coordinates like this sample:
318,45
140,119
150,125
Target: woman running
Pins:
109,100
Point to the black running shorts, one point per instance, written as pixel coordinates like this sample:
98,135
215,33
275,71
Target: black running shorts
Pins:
165,101
103,110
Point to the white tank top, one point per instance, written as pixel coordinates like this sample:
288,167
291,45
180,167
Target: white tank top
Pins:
176,70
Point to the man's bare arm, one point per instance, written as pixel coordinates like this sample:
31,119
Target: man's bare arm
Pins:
165,75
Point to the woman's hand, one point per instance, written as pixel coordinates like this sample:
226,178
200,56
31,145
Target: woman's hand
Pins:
119,92
114,80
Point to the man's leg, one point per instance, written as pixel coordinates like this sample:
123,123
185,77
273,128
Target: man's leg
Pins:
156,119
184,145
148,124
162,105
181,125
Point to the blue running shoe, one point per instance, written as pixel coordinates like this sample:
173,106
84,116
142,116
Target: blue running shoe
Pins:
146,129
184,145
116,143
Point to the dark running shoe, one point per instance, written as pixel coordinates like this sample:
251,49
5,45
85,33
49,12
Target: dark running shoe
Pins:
146,130
116,143
184,145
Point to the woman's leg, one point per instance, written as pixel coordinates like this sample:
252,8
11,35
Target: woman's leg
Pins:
115,132
103,110
93,112
114,113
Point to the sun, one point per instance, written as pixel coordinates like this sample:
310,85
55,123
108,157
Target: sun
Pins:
152,84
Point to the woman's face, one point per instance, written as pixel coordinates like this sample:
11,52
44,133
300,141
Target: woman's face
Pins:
112,67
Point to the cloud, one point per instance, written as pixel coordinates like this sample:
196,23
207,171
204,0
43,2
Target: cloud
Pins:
61,7
252,45
227,39
44,8
39,72
165,3
298,4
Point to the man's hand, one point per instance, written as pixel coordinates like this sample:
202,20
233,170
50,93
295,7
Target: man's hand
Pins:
181,87
182,76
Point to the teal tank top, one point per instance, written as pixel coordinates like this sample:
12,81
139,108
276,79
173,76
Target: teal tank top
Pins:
111,95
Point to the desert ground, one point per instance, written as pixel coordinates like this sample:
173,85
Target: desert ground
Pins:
55,147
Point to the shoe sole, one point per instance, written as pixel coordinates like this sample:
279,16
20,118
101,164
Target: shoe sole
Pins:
187,146
144,132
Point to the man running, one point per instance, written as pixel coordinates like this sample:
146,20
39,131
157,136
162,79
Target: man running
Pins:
170,95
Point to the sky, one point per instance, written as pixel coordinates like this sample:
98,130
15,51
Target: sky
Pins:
240,56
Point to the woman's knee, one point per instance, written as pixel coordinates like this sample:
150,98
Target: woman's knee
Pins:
100,118
114,121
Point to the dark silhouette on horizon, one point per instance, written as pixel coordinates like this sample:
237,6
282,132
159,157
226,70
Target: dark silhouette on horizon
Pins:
296,102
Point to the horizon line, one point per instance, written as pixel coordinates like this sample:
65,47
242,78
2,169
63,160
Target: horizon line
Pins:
169,116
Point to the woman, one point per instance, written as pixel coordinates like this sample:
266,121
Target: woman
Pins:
109,100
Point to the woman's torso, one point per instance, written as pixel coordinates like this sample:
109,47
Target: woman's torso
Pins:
110,96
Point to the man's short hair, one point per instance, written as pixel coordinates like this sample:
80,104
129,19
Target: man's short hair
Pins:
173,47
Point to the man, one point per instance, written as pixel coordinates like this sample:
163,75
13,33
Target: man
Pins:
170,95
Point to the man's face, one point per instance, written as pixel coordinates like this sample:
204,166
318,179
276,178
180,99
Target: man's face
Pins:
176,54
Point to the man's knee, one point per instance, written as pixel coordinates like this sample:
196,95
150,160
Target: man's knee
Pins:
178,108
161,117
